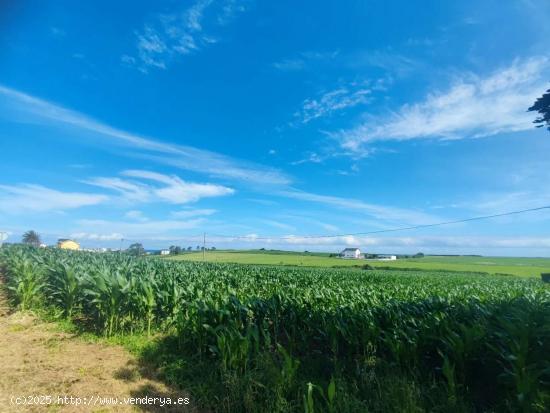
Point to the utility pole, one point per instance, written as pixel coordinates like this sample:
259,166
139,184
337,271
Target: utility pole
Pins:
204,246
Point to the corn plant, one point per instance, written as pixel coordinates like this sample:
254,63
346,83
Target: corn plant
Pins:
64,286
25,281
455,332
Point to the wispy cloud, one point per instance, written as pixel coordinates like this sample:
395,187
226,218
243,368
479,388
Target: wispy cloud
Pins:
380,212
389,60
174,190
290,65
181,32
353,94
26,108
178,191
409,244
92,236
230,9
276,224
26,198
322,226
136,215
473,107
130,191
304,60
266,202
311,157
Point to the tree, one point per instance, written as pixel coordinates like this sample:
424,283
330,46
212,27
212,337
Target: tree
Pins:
189,248
31,238
174,249
213,248
542,106
198,247
136,249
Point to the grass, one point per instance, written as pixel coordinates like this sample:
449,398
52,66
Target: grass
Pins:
525,267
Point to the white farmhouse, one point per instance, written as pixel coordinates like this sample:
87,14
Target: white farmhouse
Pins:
164,252
351,253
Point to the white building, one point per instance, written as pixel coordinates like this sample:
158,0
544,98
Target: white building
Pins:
351,253
387,257
164,252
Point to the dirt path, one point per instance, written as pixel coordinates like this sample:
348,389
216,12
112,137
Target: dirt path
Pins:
37,360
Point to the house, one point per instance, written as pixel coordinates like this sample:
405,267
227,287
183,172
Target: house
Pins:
164,252
67,244
351,253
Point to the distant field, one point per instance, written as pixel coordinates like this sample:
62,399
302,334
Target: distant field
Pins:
492,265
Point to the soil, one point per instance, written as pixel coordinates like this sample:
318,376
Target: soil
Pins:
36,359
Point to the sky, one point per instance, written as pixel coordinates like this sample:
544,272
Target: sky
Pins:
268,124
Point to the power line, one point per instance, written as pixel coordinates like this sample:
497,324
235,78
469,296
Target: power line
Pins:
458,221
198,237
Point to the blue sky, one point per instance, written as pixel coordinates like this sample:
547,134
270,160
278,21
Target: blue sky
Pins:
159,121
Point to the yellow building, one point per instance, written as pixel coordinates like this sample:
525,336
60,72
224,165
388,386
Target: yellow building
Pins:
67,244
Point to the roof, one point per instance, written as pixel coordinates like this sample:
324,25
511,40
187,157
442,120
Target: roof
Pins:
351,249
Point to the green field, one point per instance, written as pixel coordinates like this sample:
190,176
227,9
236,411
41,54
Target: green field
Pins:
492,265
269,338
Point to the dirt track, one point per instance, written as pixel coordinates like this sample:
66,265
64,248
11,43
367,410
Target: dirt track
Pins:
37,359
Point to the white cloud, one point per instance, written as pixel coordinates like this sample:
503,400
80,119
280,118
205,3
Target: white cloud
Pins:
26,198
266,202
308,219
180,33
136,215
388,60
96,237
230,9
174,190
277,224
380,212
25,108
333,101
473,107
405,244
311,157
178,191
131,191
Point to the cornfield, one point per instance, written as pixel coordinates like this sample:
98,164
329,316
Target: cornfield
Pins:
312,339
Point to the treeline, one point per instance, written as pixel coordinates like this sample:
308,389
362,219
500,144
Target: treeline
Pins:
175,249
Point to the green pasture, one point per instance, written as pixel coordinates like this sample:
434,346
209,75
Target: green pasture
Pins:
492,265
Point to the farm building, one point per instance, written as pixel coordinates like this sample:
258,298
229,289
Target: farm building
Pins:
387,257
164,252
351,253
67,244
